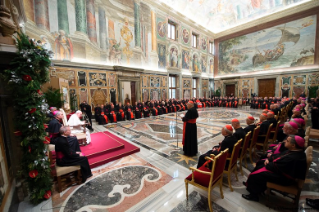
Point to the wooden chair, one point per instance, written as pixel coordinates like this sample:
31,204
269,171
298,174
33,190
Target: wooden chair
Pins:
274,133
240,102
306,141
252,145
297,187
313,133
207,179
232,166
66,175
308,131
264,144
244,152
80,136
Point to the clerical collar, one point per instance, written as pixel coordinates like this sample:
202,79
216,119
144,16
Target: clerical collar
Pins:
64,136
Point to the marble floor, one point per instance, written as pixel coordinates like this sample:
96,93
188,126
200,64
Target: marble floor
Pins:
153,179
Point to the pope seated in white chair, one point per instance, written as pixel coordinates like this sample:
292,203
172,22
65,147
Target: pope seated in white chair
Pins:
77,124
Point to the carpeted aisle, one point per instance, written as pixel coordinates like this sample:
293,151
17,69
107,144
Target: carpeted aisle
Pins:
106,147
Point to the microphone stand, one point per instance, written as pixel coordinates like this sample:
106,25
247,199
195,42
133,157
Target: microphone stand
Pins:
176,132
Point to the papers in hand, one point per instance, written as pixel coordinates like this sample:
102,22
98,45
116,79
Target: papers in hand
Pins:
182,115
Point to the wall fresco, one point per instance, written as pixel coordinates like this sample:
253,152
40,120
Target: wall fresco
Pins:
286,45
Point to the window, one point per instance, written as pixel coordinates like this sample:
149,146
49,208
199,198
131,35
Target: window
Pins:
194,40
171,31
172,86
194,82
211,47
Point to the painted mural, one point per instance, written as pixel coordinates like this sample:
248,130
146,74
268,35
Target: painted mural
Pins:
211,65
185,59
173,57
97,79
221,15
196,63
204,64
286,45
185,35
161,56
161,28
204,44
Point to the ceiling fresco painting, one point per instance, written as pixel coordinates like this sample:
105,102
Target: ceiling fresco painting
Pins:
220,15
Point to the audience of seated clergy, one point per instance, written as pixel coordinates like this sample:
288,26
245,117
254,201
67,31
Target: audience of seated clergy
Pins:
77,125
250,121
281,169
239,131
67,156
229,141
54,126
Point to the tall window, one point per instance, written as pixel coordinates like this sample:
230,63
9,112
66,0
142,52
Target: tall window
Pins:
172,87
194,87
211,47
171,31
194,37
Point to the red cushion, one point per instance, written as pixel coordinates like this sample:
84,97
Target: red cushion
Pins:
202,179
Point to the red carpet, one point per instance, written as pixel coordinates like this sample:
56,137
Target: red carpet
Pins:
106,147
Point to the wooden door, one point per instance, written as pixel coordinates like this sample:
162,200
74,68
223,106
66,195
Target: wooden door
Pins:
230,89
133,93
266,87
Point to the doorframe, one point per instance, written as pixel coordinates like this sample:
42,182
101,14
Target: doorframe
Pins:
233,82
256,85
129,79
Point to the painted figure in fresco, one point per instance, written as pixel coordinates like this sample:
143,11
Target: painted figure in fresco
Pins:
174,57
46,43
204,44
186,60
63,46
161,56
211,65
161,29
127,37
115,54
204,65
185,35
112,80
195,63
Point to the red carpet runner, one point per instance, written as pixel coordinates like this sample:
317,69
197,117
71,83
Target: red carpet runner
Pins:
106,147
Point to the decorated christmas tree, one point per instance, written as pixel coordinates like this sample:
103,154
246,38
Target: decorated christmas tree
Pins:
27,72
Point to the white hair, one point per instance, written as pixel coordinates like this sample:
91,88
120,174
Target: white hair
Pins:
78,112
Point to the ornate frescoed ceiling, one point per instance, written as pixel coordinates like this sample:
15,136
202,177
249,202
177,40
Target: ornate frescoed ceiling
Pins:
221,15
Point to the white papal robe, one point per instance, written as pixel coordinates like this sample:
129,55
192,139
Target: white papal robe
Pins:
76,123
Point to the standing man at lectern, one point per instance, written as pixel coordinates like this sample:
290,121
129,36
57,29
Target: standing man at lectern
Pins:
190,130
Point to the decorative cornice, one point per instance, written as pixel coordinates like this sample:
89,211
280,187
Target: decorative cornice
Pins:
123,68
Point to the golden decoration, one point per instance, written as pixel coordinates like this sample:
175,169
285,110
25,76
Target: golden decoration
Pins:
184,158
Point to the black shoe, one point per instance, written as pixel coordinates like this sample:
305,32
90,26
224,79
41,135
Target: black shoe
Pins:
314,203
251,197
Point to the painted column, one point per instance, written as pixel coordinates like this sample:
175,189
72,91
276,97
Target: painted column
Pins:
80,15
102,26
29,9
153,21
137,24
63,20
42,14
91,22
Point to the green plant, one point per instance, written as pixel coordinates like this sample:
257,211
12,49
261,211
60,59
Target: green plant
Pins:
54,97
27,72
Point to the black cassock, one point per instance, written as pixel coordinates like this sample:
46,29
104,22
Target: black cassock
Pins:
228,142
97,113
129,113
53,130
190,132
138,114
282,169
146,112
68,157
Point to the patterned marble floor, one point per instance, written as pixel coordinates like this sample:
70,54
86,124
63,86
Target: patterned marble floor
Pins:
153,179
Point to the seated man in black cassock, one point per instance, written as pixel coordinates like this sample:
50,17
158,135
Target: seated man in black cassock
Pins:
271,119
50,114
129,112
281,169
66,156
239,131
137,110
146,111
229,141
190,130
250,121
121,114
54,126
